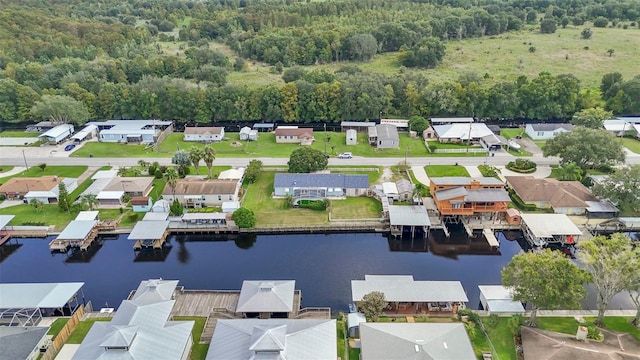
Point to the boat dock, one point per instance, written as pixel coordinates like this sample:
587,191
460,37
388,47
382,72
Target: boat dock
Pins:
150,233
5,235
151,243
80,233
491,238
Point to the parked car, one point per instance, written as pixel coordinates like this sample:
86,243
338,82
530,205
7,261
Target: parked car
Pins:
69,147
345,155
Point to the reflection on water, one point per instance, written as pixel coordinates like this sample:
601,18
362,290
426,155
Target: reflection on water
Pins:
323,265
8,249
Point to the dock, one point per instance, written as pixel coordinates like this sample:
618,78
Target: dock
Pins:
78,234
5,234
151,243
491,238
149,234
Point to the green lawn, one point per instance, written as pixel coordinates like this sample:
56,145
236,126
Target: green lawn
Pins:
57,326
479,341
519,152
103,149
619,323
82,329
61,171
501,335
18,134
198,351
49,215
446,170
512,133
85,184
356,208
569,325
340,337
373,175
5,168
631,144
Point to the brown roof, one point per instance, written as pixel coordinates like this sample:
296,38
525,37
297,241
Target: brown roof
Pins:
140,200
129,184
203,130
195,186
299,132
558,193
24,185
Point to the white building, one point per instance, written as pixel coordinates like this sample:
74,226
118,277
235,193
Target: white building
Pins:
58,134
546,131
204,134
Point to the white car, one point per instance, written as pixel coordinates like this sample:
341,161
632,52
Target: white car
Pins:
345,155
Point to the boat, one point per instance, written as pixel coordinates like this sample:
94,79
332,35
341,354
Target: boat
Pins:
513,144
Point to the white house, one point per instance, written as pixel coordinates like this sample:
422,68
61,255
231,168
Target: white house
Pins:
204,134
130,131
199,193
546,131
58,134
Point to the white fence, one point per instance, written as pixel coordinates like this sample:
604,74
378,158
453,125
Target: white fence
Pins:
460,151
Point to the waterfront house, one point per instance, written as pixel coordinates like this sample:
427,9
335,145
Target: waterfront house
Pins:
563,197
405,190
209,219
44,188
496,299
131,131
25,304
544,229
268,298
57,134
132,186
457,195
86,133
110,198
291,339
432,341
141,328
294,134
23,342
407,296
247,134
141,203
546,131
384,136
204,134
199,193
320,186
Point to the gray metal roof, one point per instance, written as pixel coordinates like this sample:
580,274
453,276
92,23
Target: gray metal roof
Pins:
88,215
155,216
346,181
462,131
154,290
291,339
414,215
463,180
488,195
600,206
499,299
266,296
451,120
37,295
387,132
451,193
105,174
355,318
130,124
428,341
58,130
5,219
404,288
548,225
357,123
263,125
17,342
77,230
148,230
551,127
204,216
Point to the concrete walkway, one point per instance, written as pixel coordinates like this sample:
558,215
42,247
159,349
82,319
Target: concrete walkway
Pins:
473,171
540,173
15,170
10,203
420,175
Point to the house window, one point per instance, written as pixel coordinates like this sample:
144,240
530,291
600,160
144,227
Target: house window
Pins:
230,197
540,133
219,197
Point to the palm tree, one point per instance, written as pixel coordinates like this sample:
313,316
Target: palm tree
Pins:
172,179
122,171
143,164
208,155
195,155
569,172
37,204
89,200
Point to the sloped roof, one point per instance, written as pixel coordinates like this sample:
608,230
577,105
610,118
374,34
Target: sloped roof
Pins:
499,299
488,195
5,219
551,127
387,132
58,130
37,295
266,296
130,184
414,215
213,130
155,216
148,229
231,174
346,181
194,186
463,180
558,193
26,184
357,123
17,342
140,200
88,215
616,125
462,131
404,185
428,341
77,229
155,290
298,132
548,225
290,339
450,193
404,288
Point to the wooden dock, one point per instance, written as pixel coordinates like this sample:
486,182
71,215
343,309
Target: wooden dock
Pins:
89,240
157,243
6,235
203,302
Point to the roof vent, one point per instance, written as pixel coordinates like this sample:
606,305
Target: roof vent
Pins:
445,345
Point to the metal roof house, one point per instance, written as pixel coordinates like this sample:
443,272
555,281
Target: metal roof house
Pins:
406,295
291,339
320,186
58,134
451,120
23,304
462,132
427,341
354,319
384,136
204,134
22,342
496,299
86,133
140,329
266,298
130,131
543,229
546,131
199,193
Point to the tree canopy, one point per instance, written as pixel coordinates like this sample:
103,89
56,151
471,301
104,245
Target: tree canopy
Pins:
372,305
591,118
546,279
306,160
622,187
60,109
244,218
588,148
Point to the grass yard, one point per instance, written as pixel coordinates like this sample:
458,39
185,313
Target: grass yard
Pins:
479,341
103,149
57,326
373,175
5,168
19,134
512,133
198,351
50,215
519,152
632,144
82,329
356,208
619,323
501,336
61,171
446,170
569,325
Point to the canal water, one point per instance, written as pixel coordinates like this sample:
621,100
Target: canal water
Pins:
322,264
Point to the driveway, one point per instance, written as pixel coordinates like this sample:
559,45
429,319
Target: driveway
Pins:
17,141
420,175
530,146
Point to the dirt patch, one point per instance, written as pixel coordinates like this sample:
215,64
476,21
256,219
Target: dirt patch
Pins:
387,175
236,144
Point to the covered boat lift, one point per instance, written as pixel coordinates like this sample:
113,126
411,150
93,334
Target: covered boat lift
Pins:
544,229
149,234
4,234
23,304
410,218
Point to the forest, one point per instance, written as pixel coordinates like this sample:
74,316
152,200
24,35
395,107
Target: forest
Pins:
117,59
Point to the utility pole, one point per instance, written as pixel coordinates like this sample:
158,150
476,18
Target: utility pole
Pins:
25,160
325,138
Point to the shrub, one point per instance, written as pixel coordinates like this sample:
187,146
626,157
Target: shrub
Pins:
313,205
244,218
133,217
33,223
522,166
472,316
488,170
158,174
593,332
519,203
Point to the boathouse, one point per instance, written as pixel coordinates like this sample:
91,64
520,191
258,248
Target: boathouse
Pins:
544,229
412,220
149,233
268,298
211,219
407,296
25,304
496,299
80,233
141,328
5,235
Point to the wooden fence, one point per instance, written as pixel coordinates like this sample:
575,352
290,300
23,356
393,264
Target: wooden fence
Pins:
63,335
